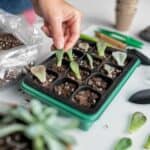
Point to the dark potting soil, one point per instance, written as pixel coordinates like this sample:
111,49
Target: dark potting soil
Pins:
113,61
113,74
85,63
84,46
57,69
8,41
84,74
65,89
16,141
98,83
86,98
50,79
76,55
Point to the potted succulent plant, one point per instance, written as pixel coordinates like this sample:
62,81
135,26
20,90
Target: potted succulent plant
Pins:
37,127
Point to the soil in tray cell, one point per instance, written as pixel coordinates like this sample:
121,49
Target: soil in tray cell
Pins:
85,62
65,88
110,71
76,55
86,97
50,78
112,60
85,73
99,83
84,46
60,70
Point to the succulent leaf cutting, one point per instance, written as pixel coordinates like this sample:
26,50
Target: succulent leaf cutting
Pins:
39,72
123,144
120,58
137,121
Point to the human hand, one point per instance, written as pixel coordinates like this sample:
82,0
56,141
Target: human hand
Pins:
61,21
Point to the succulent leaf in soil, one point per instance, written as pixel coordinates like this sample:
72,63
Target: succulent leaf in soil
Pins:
39,72
120,58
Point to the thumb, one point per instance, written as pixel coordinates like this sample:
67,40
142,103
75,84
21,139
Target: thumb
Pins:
57,32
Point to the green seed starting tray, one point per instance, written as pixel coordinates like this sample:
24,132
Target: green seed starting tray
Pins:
87,98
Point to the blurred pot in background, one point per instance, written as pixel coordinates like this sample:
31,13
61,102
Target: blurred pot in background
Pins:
125,12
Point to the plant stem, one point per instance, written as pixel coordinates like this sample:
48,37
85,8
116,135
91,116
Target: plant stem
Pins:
59,56
87,38
38,143
70,55
75,68
101,46
90,59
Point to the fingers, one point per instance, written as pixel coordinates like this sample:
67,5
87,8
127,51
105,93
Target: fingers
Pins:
57,32
74,32
46,30
64,31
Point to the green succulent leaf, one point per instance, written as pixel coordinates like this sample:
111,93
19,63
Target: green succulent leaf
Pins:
37,109
75,69
147,144
52,143
72,124
39,72
90,59
10,129
120,58
67,139
123,144
87,38
109,68
38,143
59,56
34,130
101,47
137,121
84,45
23,114
61,135
49,111
70,55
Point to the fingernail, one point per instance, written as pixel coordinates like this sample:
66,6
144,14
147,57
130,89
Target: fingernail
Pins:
60,44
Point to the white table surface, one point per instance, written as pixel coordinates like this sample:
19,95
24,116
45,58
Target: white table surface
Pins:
116,117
